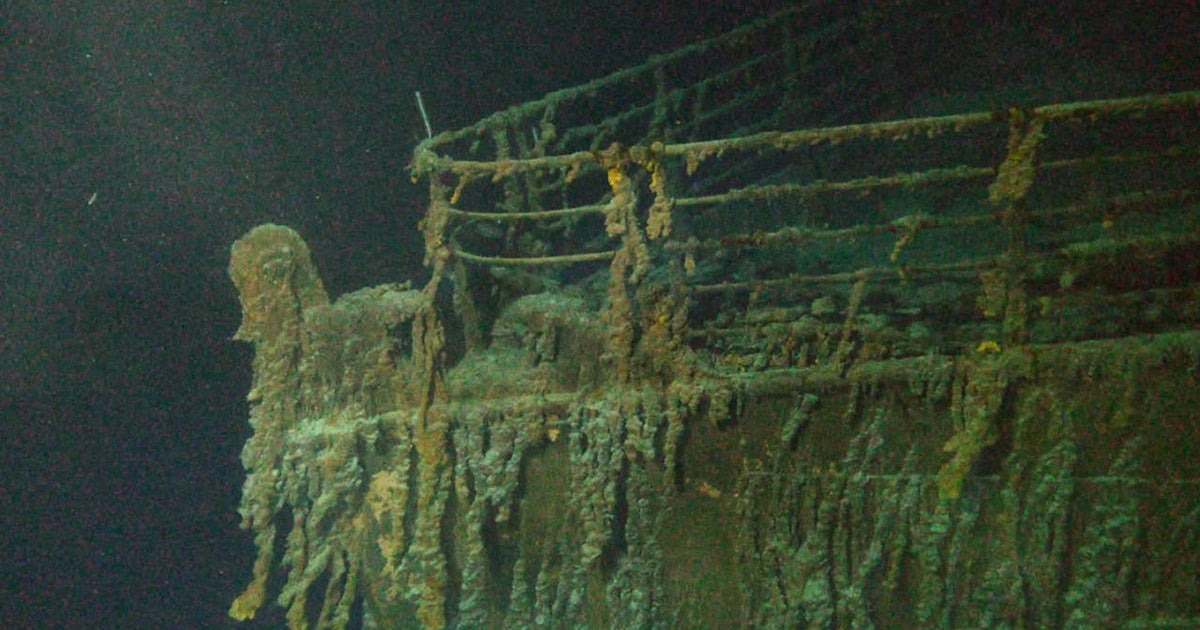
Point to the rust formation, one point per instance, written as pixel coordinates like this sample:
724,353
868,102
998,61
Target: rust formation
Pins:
672,372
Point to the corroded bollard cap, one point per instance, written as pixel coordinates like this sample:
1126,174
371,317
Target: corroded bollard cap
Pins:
275,278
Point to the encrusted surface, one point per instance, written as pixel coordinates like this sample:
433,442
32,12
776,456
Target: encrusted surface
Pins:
1034,487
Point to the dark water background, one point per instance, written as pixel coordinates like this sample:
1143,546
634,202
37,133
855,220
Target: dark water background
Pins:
139,139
